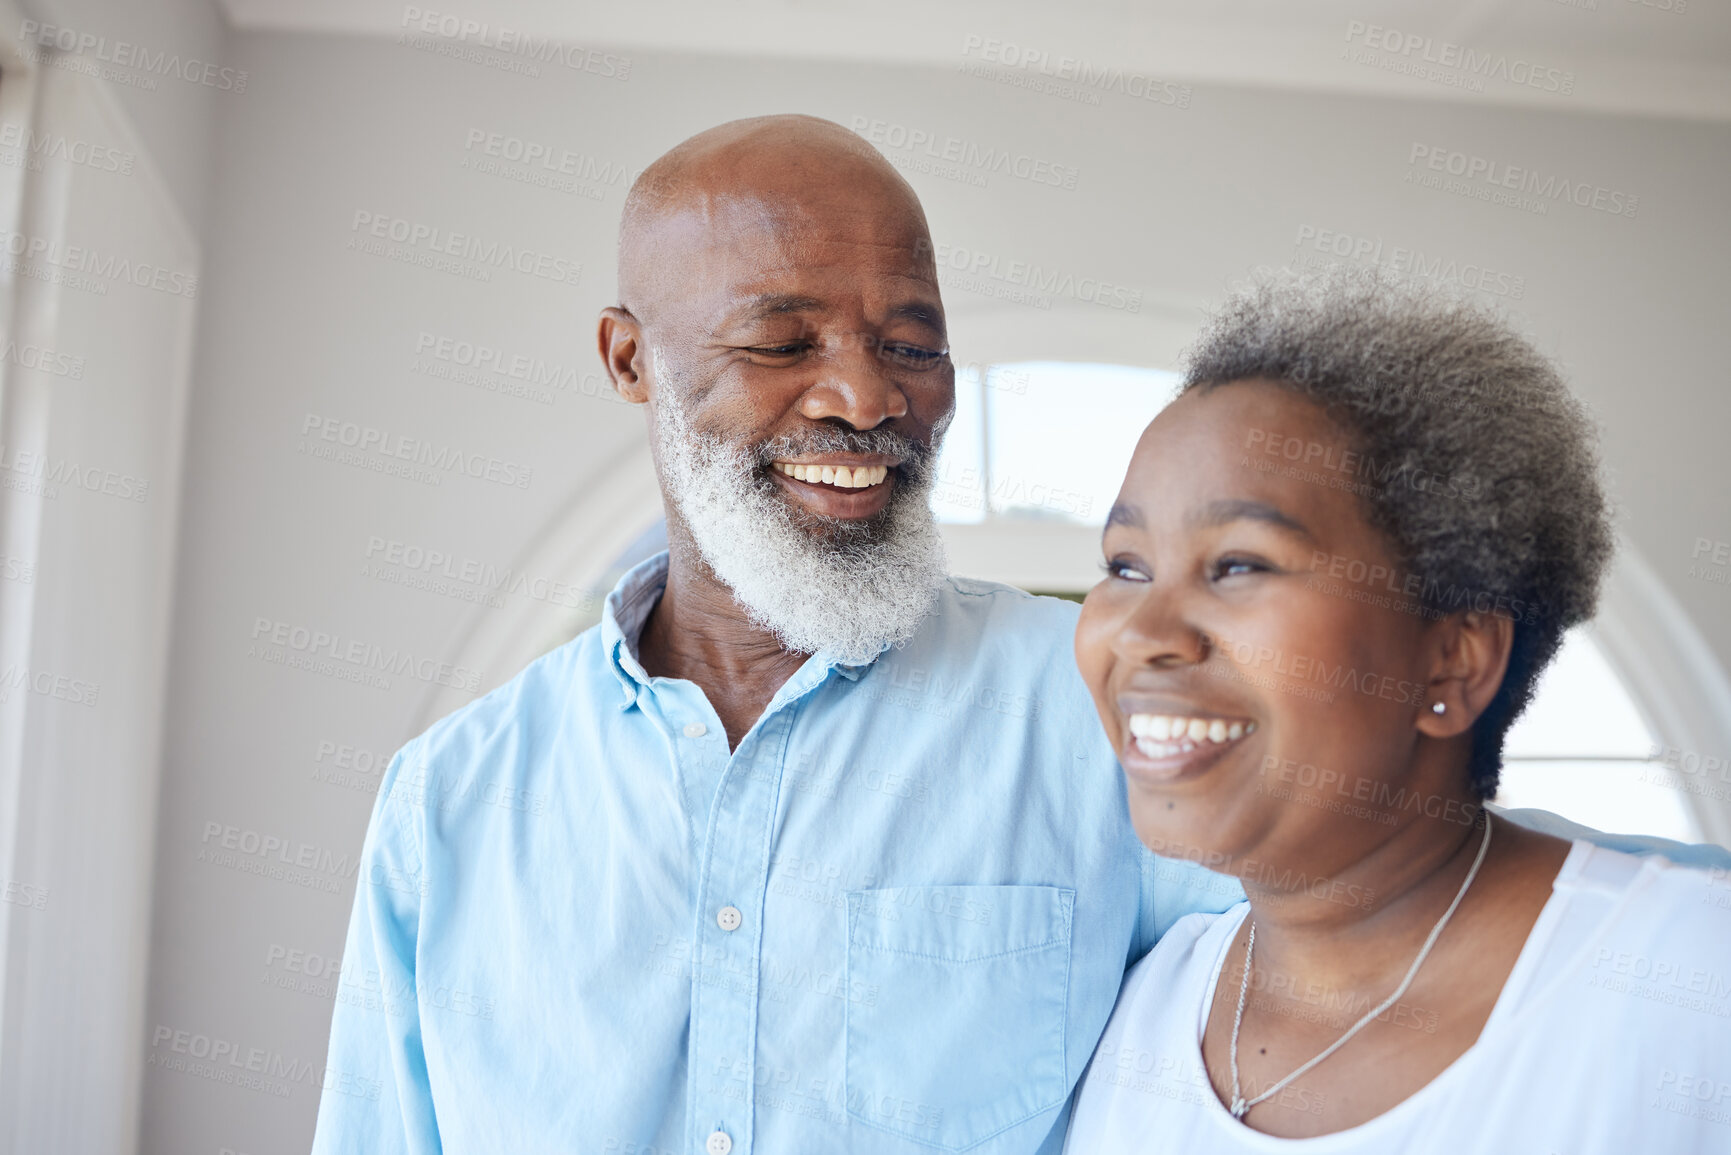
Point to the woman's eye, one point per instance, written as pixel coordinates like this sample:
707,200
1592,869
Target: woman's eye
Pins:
1123,571
1238,566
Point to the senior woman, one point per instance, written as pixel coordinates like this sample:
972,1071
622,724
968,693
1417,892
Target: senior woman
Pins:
1339,561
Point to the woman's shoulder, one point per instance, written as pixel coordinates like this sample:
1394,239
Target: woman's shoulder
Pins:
1188,950
1663,937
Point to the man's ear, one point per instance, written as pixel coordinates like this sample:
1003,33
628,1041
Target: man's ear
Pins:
620,338
1471,658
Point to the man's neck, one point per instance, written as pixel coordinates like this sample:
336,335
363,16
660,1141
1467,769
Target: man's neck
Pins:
698,632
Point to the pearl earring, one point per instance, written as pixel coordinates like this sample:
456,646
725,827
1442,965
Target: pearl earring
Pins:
1437,707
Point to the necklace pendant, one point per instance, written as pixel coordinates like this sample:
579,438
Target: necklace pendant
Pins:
1239,1108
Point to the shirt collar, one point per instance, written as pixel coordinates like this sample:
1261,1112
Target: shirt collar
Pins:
627,611
622,620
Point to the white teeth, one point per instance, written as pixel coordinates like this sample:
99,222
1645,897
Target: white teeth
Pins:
1155,749
840,476
1162,735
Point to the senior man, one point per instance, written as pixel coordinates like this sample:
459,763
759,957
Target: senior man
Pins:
834,857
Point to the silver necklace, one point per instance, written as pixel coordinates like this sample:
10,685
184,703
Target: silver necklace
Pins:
1240,1105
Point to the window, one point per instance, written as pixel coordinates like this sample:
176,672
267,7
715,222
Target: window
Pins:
1582,750
1043,440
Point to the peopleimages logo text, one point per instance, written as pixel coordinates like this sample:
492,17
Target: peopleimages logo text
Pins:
513,42
977,265
356,652
466,246
970,154
36,35
91,262
1530,181
1473,62
37,145
366,439
1075,70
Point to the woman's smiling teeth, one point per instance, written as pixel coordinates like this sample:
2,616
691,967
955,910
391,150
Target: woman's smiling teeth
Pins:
1164,735
840,476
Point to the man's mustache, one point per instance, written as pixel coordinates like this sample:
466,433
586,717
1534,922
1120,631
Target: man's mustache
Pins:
914,457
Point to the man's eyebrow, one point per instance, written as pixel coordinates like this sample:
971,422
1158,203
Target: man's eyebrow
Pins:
1222,512
766,305
921,313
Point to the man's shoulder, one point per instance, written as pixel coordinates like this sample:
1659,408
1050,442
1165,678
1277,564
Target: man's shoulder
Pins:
540,691
998,647
977,605
988,626
1008,597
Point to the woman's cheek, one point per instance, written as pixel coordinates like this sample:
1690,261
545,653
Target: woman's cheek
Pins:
1094,644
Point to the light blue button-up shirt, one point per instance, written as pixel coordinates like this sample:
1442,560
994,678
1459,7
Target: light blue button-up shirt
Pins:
894,920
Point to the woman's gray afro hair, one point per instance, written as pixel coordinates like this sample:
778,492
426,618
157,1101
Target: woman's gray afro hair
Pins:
1481,468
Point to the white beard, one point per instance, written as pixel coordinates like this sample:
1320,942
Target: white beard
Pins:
818,584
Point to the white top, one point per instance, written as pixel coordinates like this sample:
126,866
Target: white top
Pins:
1612,1035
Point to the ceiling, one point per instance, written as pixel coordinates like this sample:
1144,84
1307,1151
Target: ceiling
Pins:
1668,58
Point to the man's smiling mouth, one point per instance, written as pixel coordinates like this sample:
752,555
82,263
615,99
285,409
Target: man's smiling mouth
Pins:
838,476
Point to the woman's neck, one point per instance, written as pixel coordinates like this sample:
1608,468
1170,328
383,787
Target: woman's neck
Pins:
1345,924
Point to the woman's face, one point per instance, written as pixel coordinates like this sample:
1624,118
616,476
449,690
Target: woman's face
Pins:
1250,653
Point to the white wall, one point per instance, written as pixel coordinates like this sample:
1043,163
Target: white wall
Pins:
1172,203
93,384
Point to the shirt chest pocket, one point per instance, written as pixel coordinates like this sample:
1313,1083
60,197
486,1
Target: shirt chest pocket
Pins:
964,1037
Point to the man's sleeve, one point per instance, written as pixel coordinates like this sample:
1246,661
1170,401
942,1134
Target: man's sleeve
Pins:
376,1097
1702,855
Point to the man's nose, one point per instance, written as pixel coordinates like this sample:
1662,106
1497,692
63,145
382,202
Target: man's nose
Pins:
855,386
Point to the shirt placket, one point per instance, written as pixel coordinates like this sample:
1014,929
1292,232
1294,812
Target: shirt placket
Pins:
728,938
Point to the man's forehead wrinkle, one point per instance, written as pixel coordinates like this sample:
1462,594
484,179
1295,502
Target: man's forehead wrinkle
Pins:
739,278
748,307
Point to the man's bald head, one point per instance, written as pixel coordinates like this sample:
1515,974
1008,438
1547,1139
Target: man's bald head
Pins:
769,173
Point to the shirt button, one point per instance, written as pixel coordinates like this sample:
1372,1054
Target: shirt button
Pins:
719,1143
698,730
728,918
